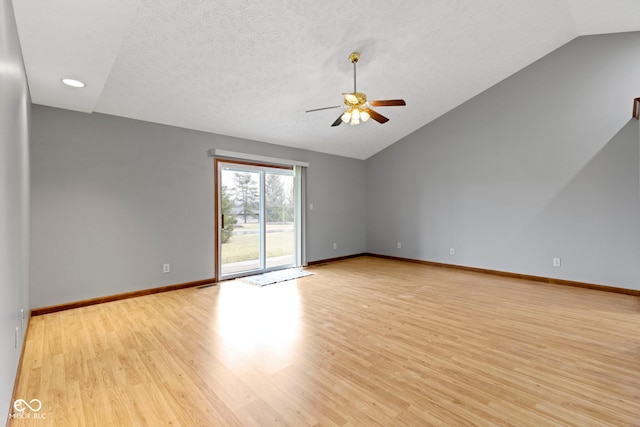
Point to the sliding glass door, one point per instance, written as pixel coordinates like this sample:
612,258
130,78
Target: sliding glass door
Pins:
279,199
256,212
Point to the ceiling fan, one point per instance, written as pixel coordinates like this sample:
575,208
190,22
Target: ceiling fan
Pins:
357,108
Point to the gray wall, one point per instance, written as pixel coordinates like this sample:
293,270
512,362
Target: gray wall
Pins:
113,199
542,165
15,105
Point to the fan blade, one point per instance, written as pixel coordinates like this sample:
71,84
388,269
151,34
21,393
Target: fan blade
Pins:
387,103
337,122
323,108
376,116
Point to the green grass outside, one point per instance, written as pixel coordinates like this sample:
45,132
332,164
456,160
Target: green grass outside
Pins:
246,247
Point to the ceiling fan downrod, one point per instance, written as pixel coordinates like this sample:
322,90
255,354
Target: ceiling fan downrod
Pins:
354,57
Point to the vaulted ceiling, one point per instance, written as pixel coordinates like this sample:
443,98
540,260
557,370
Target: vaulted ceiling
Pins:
250,69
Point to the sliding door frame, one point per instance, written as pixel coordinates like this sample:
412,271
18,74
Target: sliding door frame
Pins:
299,228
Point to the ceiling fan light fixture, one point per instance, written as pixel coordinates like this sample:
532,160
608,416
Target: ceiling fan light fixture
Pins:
355,117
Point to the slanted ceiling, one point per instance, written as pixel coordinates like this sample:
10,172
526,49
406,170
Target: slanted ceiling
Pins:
250,69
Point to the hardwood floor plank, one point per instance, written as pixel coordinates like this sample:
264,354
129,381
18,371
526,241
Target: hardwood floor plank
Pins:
364,341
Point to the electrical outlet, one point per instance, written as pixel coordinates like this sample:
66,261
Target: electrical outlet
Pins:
310,206
335,246
399,245
556,262
452,251
166,268
22,318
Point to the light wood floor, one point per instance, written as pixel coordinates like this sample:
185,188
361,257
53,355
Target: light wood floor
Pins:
362,342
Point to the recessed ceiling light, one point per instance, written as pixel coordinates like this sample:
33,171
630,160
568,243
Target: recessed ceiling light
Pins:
73,83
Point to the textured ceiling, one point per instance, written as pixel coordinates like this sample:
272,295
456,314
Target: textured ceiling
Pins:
250,69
